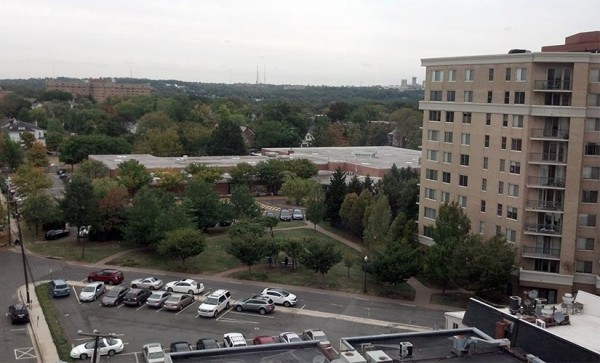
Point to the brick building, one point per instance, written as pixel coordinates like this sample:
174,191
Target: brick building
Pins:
100,89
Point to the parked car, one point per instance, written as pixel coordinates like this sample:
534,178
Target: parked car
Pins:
215,303
234,340
185,286
91,291
289,337
108,276
260,304
115,296
154,353
151,283
136,297
270,214
318,335
157,298
285,215
180,347
56,234
297,215
18,313
178,302
106,346
280,296
207,343
263,339
59,288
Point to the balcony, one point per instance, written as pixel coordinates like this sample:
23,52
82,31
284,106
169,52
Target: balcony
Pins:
537,277
546,182
548,158
544,205
553,85
553,134
541,252
544,229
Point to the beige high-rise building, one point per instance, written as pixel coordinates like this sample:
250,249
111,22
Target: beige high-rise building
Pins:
515,140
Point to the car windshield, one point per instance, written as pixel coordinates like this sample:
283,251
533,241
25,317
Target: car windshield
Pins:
174,298
284,293
212,301
64,286
155,296
156,355
89,289
113,293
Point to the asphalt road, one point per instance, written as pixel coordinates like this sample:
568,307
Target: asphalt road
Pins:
339,315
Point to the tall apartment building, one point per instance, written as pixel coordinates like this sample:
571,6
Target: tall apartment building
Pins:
515,140
100,89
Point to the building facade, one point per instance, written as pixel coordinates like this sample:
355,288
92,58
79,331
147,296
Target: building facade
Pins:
515,140
100,89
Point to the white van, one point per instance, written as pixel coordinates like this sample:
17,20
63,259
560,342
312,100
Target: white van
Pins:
214,304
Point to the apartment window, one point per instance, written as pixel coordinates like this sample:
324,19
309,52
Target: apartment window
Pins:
468,96
435,95
482,206
592,124
511,235
594,99
515,167
500,187
513,190
448,136
463,180
452,75
445,197
590,172
507,74
592,148
446,177
502,165
430,193
491,74
499,210
447,157
517,121
506,97
586,244
519,98
486,141
465,139
449,116
546,265
464,159
521,74
431,174
469,75
485,163
432,155
435,115
594,75
488,119
587,220
429,213
481,227
498,230
466,117
583,266
511,212
437,76
428,231
484,184
589,196
505,120
503,142
462,201
433,135
516,144
451,96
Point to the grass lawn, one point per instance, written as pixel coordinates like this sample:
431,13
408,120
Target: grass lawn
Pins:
69,249
58,335
283,224
340,232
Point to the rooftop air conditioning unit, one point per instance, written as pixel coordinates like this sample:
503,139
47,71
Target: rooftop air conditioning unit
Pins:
378,356
540,323
351,356
365,347
406,349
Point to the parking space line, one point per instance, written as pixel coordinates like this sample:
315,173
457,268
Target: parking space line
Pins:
76,295
249,314
140,307
184,309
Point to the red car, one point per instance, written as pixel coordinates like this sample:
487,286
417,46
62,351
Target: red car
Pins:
108,276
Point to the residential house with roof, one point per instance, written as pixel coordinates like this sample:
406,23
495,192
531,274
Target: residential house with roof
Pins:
15,128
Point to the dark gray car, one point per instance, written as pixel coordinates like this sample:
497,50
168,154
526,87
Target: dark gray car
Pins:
260,304
115,296
59,288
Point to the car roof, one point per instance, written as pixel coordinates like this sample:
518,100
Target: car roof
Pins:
153,346
20,307
95,283
59,282
218,292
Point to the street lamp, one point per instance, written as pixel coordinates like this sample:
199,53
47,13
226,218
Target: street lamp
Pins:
365,264
96,335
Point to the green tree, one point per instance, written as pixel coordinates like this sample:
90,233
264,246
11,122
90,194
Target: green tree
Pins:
320,256
11,154
269,222
227,140
243,203
202,203
243,173
31,180
40,208
77,148
271,174
36,155
54,140
133,175
396,264
293,248
275,134
159,142
348,261
402,229
93,169
204,173
378,217
170,179
355,185
301,168
346,209
334,196
79,205
112,213
408,127
315,208
182,243
27,138
298,189
247,243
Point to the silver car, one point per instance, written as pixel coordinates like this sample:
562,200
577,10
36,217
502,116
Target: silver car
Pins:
151,283
157,298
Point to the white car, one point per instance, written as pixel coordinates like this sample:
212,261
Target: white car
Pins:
154,353
185,286
91,291
151,283
234,340
318,335
289,337
106,346
280,296
215,303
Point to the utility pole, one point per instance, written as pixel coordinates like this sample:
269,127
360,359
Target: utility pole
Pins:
96,335
21,242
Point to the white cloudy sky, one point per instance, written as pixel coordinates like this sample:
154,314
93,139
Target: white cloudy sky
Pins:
331,42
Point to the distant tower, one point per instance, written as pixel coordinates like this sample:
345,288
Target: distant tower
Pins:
264,74
257,76
414,81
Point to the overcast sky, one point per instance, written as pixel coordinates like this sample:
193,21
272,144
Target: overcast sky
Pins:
323,42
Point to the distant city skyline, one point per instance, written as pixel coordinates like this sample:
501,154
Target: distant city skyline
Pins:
335,42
